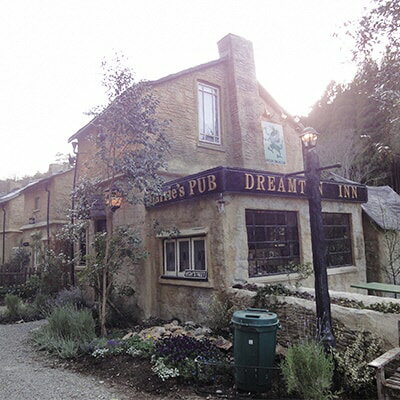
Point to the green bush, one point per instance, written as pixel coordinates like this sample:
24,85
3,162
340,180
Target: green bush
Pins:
14,305
68,332
43,304
220,312
352,363
308,371
137,347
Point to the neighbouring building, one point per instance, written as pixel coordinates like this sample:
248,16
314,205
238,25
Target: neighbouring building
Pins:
239,218
381,223
40,207
11,220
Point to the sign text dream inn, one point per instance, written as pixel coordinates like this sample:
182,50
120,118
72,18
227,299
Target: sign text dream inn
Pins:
234,180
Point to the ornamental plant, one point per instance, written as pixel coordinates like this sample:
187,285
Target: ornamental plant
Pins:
131,146
352,363
103,347
137,347
179,353
68,332
308,371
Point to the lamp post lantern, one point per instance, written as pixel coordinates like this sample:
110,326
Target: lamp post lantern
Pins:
313,176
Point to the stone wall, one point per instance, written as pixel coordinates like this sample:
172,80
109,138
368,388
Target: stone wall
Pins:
297,317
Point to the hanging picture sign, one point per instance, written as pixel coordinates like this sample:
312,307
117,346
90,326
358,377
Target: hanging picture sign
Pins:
274,143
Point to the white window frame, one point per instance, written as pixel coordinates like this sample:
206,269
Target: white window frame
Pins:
191,239
177,258
207,137
166,272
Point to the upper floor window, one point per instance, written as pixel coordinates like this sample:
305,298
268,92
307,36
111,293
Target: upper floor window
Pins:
209,124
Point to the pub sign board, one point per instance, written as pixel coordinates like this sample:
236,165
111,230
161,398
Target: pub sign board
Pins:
239,180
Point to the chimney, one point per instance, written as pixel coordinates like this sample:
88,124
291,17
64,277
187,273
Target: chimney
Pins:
244,101
56,168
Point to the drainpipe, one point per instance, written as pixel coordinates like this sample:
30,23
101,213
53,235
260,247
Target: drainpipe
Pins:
73,213
48,217
4,235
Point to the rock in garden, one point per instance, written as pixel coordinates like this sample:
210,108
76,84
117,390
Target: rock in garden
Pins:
222,343
202,332
154,332
172,327
190,324
128,335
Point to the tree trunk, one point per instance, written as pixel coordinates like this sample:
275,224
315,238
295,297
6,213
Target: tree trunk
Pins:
105,275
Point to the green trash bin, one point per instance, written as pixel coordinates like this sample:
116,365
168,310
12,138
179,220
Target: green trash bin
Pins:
254,348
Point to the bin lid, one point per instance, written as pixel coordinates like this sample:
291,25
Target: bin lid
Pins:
255,317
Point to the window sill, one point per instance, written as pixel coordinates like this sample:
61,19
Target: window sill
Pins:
284,278
210,146
177,281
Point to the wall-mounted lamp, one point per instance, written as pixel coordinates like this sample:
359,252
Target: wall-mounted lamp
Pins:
221,203
113,199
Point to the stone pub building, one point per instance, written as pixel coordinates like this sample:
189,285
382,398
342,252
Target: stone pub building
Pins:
239,218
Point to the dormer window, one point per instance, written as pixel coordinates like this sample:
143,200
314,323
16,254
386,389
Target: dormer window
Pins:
209,120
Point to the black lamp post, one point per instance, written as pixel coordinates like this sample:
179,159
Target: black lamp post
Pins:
313,175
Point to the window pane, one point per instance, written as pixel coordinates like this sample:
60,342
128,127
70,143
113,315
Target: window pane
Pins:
273,241
338,239
208,114
170,256
184,260
201,112
199,255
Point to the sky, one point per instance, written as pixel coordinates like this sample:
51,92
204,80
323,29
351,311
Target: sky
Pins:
51,53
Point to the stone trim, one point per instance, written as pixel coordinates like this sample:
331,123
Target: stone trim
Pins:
185,282
42,224
184,232
282,278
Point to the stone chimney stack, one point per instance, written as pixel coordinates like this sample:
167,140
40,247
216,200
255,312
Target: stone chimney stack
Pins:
244,102
56,168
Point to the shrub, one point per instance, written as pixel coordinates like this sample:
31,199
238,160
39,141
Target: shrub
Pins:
308,371
351,363
73,297
14,305
137,347
163,370
43,304
68,332
221,310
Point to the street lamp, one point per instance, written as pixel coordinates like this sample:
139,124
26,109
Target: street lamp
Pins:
313,176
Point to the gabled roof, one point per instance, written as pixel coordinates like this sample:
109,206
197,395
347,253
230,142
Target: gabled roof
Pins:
15,193
277,107
383,207
158,82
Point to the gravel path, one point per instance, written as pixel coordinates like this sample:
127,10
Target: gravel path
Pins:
24,377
